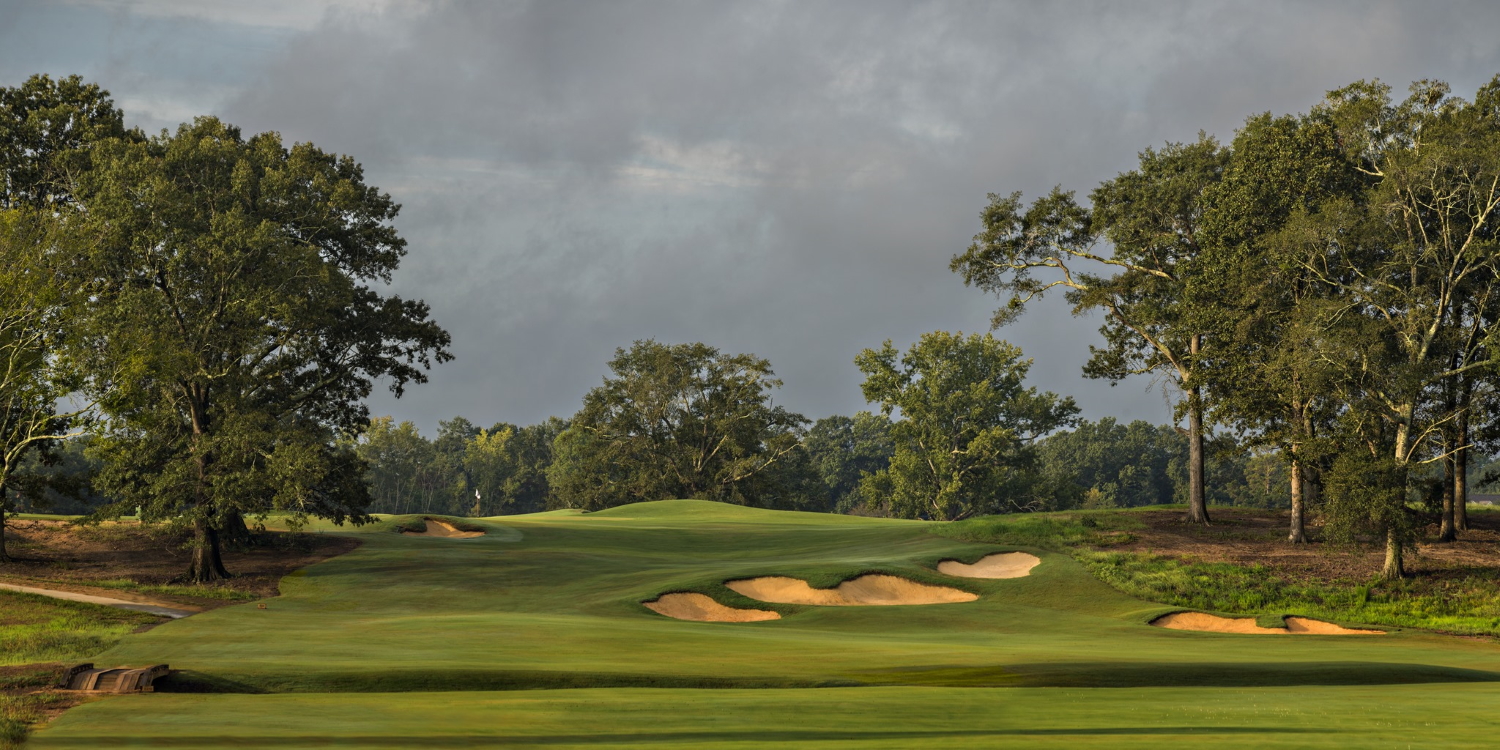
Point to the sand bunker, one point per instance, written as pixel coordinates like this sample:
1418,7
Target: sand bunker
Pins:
866,590
702,608
998,565
443,529
1318,627
1214,624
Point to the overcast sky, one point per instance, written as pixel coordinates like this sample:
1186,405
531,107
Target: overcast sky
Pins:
783,178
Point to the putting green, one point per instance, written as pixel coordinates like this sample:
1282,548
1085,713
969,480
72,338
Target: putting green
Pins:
408,642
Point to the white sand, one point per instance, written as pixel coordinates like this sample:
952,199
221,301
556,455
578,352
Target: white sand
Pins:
998,565
702,608
866,590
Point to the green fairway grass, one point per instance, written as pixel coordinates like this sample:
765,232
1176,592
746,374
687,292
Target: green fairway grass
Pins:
535,635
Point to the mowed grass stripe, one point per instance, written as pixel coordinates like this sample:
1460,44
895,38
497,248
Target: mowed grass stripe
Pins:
865,718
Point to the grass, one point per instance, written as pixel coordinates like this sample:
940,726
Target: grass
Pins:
534,635
36,628
200,591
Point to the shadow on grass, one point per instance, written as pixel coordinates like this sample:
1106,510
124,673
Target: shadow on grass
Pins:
648,738
1050,674
1208,674
455,680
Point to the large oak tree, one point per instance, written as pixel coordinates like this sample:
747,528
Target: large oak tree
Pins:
235,327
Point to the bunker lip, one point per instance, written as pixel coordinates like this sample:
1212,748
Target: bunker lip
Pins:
1206,623
703,608
997,565
873,589
444,530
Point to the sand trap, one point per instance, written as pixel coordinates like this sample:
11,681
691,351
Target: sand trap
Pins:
998,565
867,590
1214,624
702,608
444,530
1318,627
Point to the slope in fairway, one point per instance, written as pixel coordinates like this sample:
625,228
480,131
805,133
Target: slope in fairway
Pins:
553,600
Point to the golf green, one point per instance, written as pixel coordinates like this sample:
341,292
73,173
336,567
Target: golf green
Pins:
534,634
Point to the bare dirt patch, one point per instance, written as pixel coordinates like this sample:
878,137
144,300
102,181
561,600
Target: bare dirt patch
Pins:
116,560
998,565
867,590
1245,536
703,608
444,530
1206,623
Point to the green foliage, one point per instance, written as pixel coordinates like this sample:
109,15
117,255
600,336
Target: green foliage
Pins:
506,465
963,444
682,421
844,450
46,127
233,330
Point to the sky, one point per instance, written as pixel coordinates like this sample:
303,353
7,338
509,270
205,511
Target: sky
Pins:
788,179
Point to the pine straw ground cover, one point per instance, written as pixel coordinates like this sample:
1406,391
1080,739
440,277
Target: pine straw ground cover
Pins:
1241,564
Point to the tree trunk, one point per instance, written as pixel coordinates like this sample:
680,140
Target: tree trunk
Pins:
1395,568
1298,533
234,532
1448,532
208,563
4,557
1461,461
1197,503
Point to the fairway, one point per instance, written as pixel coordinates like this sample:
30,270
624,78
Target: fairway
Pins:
535,634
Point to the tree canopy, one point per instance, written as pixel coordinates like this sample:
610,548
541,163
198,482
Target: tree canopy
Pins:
681,421
964,439
233,330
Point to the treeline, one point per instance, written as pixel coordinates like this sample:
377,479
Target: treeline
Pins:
465,470
1325,284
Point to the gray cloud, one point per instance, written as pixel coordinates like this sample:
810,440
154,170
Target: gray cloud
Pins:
783,178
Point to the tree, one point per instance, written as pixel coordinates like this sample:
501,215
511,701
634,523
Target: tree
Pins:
1105,464
1152,218
34,316
964,442
677,421
1257,298
529,452
843,450
234,332
395,456
46,127
488,464
1414,260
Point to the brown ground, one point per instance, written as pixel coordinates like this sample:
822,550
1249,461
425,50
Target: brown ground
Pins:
59,555
1247,537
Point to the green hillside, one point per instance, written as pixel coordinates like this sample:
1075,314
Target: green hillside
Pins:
424,642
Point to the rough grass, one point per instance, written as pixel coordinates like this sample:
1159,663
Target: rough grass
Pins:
37,628
20,705
1468,605
199,591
